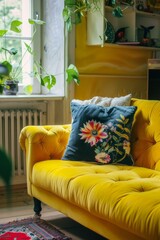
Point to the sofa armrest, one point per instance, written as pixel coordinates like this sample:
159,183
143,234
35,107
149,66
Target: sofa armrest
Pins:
43,143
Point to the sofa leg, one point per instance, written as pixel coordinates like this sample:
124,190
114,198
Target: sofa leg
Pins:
37,207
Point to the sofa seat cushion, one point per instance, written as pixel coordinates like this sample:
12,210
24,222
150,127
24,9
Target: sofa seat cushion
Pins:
127,196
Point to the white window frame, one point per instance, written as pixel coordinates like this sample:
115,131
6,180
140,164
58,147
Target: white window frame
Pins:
53,63
53,44
35,12
50,50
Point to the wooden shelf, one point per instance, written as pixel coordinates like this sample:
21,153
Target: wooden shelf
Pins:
132,20
115,45
147,14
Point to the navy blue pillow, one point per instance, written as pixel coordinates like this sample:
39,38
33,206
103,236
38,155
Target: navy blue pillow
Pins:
100,134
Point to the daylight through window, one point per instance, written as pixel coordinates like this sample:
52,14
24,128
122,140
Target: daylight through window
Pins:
17,10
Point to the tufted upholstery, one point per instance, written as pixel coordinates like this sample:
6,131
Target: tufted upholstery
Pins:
107,192
118,202
43,142
146,134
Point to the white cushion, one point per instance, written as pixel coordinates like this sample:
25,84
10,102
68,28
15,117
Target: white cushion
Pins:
106,101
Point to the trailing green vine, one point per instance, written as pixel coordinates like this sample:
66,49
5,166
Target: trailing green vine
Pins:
75,10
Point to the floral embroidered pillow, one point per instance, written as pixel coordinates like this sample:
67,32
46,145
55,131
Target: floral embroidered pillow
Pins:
100,134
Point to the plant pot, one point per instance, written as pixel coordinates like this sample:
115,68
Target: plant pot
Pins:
11,87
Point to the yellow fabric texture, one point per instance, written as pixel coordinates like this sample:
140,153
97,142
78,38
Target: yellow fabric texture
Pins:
146,134
127,197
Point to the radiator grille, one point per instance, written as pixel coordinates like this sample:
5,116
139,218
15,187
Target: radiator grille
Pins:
11,123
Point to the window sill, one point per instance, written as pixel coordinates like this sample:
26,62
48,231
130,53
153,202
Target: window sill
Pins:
41,97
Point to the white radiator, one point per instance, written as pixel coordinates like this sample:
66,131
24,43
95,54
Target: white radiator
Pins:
11,123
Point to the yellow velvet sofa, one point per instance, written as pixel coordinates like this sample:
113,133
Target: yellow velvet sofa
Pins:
117,201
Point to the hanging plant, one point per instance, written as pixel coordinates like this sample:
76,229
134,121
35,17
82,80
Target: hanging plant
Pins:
75,10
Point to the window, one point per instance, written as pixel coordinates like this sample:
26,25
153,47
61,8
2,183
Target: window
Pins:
48,45
19,10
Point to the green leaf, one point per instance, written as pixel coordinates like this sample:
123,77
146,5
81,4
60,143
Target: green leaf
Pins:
8,66
1,83
97,151
126,121
122,117
12,51
127,130
28,89
15,26
3,70
66,14
49,81
118,151
67,18
110,149
29,49
117,12
72,74
36,72
69,25
120,126
113,2
122,135
3,32
119,120
78,17
36,21
115,138
35,67
70,3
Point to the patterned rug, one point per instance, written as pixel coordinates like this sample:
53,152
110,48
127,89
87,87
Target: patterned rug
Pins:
30,229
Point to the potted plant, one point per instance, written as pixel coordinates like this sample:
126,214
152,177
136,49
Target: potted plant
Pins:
3,75
10,72
8,82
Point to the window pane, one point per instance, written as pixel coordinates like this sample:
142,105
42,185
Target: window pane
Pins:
8,10
21,60
15,10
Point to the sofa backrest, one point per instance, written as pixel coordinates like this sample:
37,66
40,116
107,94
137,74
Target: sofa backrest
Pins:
145,138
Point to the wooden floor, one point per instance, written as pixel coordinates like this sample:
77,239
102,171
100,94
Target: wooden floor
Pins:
22,207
